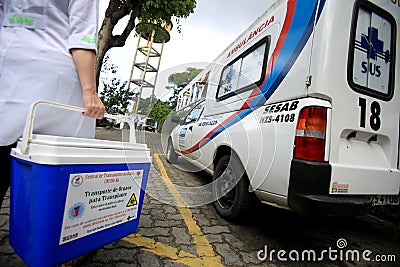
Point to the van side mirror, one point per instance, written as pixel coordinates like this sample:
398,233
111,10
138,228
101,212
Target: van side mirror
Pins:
176,119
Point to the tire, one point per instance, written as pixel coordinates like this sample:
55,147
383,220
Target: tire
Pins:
171,156
236,203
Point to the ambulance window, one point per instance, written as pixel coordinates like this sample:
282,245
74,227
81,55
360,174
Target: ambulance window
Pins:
251,69
245,72
372,51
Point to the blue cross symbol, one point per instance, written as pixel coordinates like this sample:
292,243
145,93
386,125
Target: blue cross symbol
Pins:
372,43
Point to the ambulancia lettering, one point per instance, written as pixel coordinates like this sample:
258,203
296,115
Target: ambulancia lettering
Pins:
252,34
208,123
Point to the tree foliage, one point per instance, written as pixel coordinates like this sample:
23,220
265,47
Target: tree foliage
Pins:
144,105
145,10
160,112
114,95
179,80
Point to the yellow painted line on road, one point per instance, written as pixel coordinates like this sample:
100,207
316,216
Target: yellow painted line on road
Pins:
203,247
172,253
206,255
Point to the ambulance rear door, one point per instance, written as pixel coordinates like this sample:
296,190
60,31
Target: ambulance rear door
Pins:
355,66
365,113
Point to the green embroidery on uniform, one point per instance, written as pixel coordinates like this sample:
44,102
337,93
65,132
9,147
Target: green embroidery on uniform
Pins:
21,20
89,40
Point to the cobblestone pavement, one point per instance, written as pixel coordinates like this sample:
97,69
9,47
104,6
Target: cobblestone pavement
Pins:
174,235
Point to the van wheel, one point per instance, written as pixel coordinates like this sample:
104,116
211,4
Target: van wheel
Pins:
172,157
231,189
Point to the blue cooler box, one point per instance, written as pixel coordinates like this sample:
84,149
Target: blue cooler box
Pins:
70,196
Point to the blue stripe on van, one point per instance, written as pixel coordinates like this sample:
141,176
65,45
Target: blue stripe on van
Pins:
299,33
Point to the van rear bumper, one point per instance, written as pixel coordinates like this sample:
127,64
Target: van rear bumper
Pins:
309,192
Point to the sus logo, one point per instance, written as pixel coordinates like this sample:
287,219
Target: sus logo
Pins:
374,49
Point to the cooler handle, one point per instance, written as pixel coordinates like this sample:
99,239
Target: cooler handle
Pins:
27,135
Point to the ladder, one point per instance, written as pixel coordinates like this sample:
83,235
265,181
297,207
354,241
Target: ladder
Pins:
141,66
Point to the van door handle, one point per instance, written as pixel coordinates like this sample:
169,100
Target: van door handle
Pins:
352,135
373,138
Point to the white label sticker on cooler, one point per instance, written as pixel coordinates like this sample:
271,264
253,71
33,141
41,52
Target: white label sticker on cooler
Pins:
99,200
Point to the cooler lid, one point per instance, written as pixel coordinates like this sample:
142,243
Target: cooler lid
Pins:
83,142
57,150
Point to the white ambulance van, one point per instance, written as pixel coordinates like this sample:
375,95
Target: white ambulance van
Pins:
302,111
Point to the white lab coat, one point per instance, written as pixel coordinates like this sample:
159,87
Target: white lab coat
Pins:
36,64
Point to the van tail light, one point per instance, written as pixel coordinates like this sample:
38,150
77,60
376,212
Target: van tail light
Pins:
309,143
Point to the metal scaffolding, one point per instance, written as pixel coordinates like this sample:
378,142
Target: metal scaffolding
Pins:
145,46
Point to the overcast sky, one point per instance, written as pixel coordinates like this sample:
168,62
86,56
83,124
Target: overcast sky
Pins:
205,34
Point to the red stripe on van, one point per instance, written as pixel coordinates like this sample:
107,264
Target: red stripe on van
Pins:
291,6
